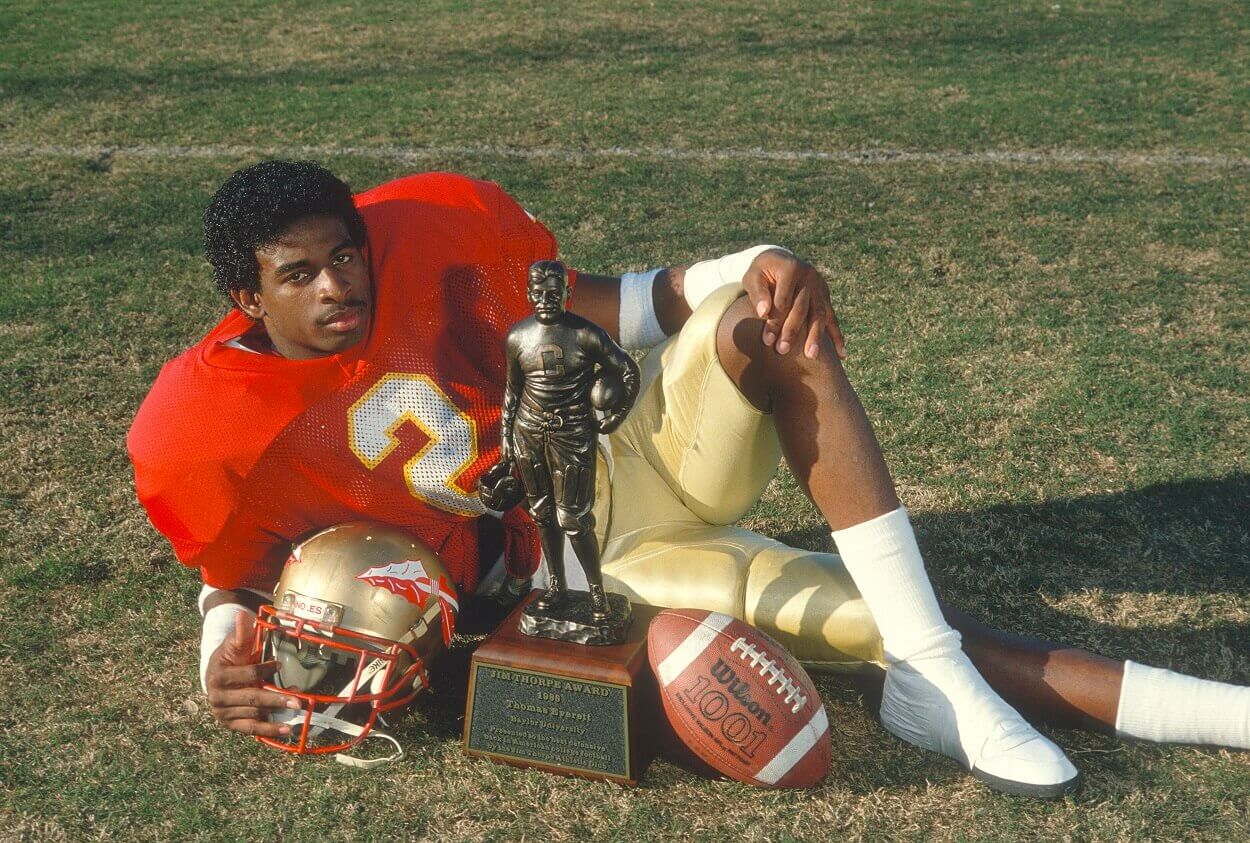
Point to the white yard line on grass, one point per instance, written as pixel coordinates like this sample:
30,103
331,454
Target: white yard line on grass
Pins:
867,157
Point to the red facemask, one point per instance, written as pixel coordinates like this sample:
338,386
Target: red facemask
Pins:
344,679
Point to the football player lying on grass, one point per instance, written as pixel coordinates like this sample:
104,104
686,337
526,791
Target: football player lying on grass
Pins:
359,375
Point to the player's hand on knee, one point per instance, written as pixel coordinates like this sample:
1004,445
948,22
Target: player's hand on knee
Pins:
793,300
233,681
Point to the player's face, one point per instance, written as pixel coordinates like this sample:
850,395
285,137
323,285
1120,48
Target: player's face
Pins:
548,297
314,290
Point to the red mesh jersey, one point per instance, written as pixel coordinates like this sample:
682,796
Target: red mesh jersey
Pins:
238,454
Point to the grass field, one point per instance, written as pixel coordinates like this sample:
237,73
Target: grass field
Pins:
1054,347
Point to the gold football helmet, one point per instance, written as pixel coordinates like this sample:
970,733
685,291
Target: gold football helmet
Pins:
359,611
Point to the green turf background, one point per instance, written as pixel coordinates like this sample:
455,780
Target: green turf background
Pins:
1056,355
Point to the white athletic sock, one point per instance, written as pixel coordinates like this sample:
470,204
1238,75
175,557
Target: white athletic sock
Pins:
1168,707
934,697
884,560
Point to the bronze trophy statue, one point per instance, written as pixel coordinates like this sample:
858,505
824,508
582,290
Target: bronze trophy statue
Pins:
561,368
537,698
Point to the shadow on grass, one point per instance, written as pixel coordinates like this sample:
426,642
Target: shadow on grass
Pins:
1009,564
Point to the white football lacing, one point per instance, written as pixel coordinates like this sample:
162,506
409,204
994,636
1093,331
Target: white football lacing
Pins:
769,669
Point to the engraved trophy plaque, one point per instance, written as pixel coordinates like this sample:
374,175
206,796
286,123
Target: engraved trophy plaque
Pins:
559,685
564,707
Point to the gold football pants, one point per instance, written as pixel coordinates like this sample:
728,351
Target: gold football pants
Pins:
692,457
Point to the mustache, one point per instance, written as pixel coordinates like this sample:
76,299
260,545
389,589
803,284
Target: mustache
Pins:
340,312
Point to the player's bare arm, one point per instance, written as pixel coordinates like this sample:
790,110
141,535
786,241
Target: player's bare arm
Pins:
787,293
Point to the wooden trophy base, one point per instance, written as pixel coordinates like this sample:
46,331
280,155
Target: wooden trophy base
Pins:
563,707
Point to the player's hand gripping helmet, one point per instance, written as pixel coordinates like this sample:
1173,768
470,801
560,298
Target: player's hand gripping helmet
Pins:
359,611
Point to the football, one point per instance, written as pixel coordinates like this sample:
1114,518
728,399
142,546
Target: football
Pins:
607,392
738,700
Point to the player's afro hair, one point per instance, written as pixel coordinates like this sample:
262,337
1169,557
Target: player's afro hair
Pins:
257,204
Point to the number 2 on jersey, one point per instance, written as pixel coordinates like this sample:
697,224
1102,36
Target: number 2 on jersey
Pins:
431,473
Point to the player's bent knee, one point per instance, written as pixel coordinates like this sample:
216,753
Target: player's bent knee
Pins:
758,370
740,347
741,314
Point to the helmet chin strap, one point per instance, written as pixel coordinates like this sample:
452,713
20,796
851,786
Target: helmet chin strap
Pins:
326,720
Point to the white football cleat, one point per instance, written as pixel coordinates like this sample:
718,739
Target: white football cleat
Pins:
943,704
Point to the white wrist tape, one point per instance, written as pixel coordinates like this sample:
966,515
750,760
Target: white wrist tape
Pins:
218,626
705,277
638,323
